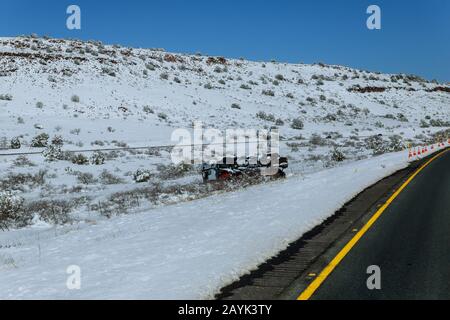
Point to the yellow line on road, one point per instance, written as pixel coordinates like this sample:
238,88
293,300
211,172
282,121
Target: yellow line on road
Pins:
317,282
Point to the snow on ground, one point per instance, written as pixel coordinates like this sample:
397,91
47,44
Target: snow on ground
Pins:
93,96
181,251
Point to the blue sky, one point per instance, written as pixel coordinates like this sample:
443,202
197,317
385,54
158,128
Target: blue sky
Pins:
415,35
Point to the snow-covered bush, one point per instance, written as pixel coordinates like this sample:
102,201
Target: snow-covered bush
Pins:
150,66
39,105
108,71
75,98
269,93
6,97
57,141
11,208
53,153
265,116
396,143
85,178
22,181
424,124
80,159
147,109
23,161
15,143
439,123
142,175
52,211
381,146
401,117
40,141
174,171
162,116
98,158
107,177
317,140
297,124
337,155
376,144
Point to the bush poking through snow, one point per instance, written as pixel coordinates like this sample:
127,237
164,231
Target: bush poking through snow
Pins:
380,146
23,181
147,109
108,71
75,98
85,178
40,141
80,159
317,140
6,97
266,116
23,161
162,116
53,153
142,176
297,124
174,171
98,158
52,211
107,178
336,155
11,208
424,124
15,143
439,123
57,141
269,93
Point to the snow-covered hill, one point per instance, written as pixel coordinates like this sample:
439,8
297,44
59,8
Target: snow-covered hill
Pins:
87,95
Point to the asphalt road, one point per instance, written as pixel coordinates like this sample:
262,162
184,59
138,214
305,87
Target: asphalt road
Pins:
409,242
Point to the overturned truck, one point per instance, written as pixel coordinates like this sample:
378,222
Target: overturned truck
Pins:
230,168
